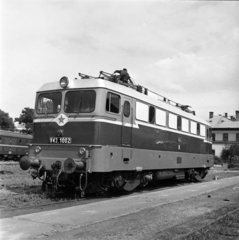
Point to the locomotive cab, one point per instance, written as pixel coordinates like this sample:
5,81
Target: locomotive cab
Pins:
71,126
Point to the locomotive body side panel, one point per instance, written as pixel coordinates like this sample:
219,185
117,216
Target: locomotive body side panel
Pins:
104,128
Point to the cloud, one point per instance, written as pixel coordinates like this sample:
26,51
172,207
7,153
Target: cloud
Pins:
195,73
174,48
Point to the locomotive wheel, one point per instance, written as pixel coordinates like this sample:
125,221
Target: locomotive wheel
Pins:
199,176
131,185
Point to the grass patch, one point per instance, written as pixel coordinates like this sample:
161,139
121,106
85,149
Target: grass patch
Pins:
12,176
17,187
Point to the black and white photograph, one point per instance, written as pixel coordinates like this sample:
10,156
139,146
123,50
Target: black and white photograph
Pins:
119,119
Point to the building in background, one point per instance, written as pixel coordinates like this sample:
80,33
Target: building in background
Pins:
225,131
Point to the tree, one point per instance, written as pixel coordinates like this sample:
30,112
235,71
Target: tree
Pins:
6,122
230,153
26,117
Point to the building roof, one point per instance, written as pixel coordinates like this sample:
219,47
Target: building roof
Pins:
222,122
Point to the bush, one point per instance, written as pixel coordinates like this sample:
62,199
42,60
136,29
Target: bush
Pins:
217,160
231,154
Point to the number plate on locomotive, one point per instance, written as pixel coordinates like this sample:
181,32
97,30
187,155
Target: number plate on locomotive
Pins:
60,140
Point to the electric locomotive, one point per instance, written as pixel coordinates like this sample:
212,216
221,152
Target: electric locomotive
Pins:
13,145
98,134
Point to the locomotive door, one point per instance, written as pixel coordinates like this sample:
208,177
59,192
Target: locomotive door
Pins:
127,123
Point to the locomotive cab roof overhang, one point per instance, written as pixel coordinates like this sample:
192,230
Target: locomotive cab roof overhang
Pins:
94,83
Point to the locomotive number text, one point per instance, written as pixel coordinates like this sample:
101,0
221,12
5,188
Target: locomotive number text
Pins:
64,140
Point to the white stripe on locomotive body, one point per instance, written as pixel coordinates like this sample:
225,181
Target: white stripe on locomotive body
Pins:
136,125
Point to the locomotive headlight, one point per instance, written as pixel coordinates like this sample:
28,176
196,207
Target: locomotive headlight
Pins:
64,81
82,150
37,149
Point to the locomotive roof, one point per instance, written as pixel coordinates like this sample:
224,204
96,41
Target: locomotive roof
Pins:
121,89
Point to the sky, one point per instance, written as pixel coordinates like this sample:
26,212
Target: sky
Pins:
187,51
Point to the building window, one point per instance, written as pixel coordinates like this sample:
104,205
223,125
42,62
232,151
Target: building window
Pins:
210,134
213,137
225,137
237,137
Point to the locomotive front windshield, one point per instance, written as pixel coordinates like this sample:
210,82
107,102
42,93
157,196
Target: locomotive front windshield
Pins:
82,101
49,103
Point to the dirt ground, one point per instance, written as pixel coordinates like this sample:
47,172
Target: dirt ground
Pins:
190,219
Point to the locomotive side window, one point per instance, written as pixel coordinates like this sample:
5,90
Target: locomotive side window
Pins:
179,123
209,134
185,125
160,117
126,109
112,103
151,114
142,111
198,129
80,101
172,121
203,130
49,103
193,127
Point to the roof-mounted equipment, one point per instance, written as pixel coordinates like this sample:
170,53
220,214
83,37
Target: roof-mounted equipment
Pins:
131,84
84,76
